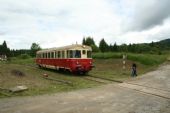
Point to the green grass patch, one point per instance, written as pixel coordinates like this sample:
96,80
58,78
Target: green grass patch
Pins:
107,55
146,59
18,60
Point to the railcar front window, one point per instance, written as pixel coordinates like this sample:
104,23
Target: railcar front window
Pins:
74,54
77,54
89,54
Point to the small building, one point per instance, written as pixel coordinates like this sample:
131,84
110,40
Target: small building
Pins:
3,57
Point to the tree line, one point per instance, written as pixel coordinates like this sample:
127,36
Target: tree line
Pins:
153,47
4,50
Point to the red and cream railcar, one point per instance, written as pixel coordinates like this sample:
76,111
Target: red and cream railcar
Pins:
75,58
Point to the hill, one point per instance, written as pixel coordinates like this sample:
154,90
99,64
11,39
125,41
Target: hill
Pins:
165,43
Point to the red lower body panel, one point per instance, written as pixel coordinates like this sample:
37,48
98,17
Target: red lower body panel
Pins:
74,65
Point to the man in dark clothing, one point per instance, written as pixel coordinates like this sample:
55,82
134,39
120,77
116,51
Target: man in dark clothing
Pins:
134,71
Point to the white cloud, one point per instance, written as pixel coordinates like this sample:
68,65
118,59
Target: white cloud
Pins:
156,33
63,22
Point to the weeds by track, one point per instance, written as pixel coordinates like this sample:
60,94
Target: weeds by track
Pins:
49,78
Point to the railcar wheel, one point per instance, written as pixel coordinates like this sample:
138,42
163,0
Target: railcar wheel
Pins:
82,72
39,66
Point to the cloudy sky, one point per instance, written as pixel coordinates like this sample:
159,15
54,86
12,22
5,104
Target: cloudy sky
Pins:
53,23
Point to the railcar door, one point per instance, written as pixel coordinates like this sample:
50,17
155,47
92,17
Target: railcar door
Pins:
84,53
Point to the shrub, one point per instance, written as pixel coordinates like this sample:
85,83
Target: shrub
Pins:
147,59
24,56
107,55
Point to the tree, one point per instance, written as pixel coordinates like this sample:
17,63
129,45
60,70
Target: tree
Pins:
4,50
84,41
4,45
103,46
90,42
115,47
34,48
123,48
95,48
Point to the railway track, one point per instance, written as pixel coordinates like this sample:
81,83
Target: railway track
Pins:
147,90
137,87
101,79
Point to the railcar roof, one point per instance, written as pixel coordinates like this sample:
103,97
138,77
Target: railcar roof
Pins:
69,47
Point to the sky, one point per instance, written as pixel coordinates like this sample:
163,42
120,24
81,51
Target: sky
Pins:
55,23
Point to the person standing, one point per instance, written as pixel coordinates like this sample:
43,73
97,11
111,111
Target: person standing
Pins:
134,70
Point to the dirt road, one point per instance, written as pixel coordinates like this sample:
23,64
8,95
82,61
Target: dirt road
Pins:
149,93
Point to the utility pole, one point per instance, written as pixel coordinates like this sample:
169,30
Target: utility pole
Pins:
124,62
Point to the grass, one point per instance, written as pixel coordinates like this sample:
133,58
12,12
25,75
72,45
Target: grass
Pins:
107,55
113,69
146,59
108,65
16,60
34,80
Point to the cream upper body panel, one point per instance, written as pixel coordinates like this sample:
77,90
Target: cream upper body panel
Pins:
70,47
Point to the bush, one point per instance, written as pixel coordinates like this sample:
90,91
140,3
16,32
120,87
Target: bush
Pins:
147,59
107,55
24,56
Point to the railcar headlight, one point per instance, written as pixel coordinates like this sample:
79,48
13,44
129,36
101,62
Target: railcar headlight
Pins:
90,62
77,62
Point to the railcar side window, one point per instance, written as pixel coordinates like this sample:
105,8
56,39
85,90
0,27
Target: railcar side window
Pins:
89,54
63,54
59,54
71,54
46,55
43,55
56,55
67,54
49,55
39,56
52,54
